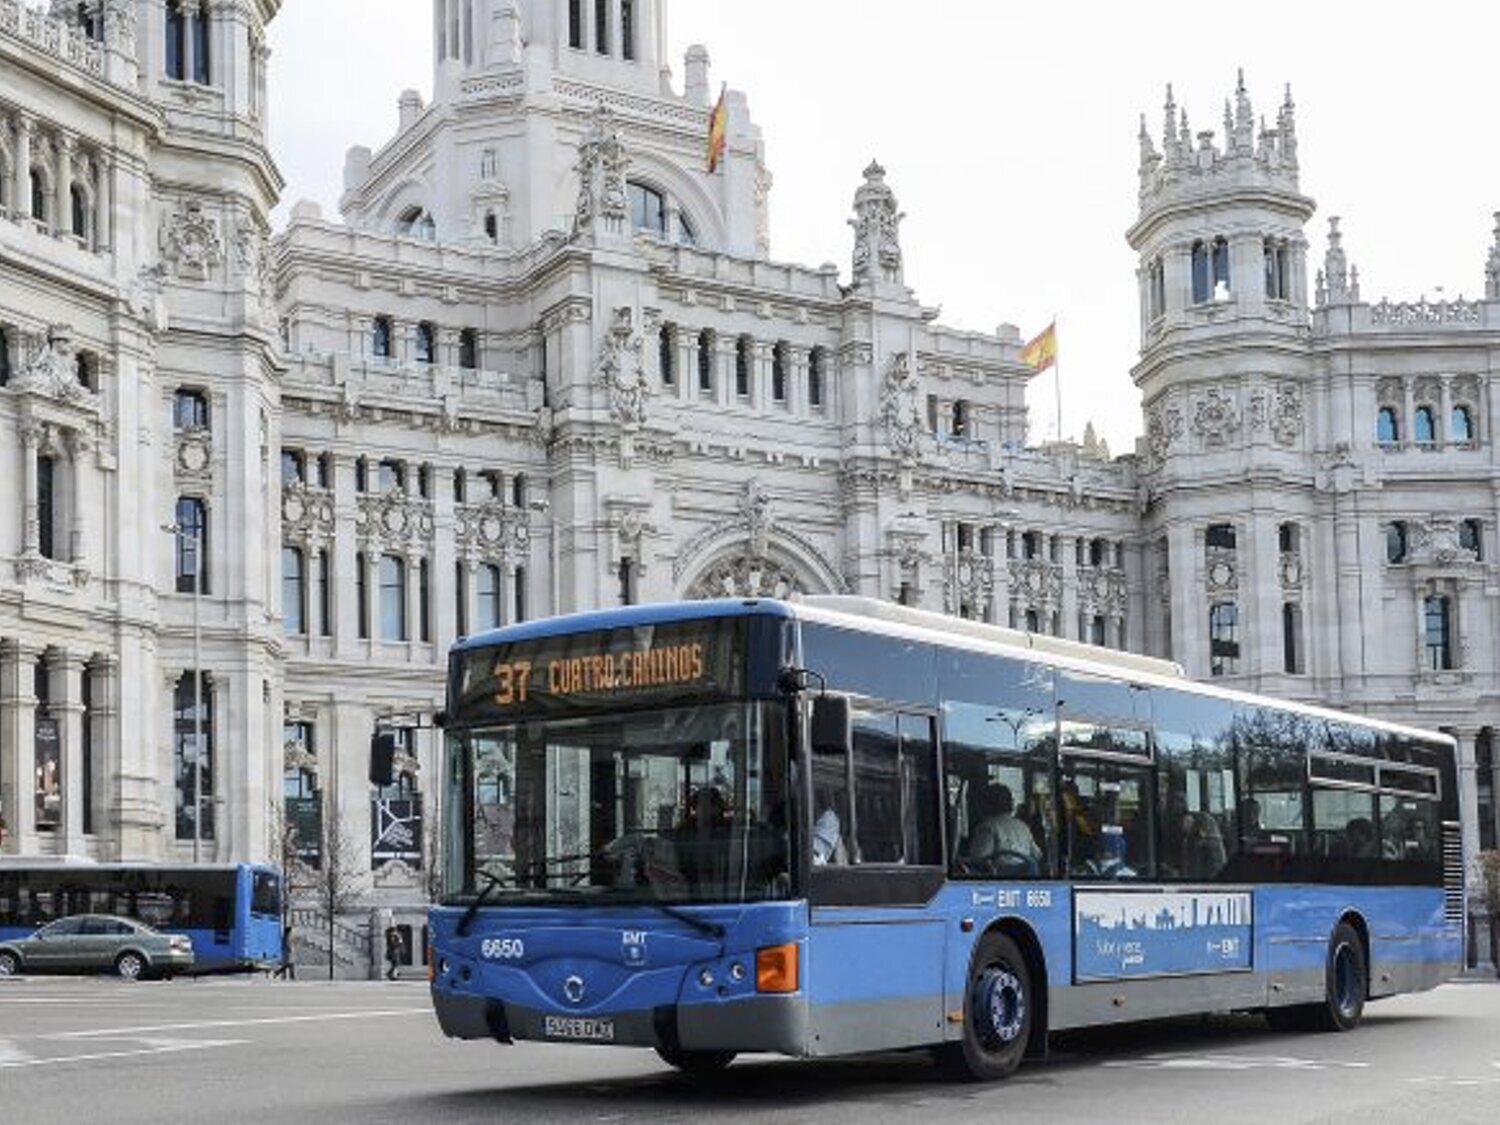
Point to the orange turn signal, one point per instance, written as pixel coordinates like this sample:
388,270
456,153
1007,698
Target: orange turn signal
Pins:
431,965
776,968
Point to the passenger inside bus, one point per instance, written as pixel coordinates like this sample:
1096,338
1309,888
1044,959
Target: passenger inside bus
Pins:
1203,854
1000,841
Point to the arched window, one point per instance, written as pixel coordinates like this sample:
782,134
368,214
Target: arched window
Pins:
706,360
666,354
1437,622
89,22
817,363
1202,289
192,545
1461,425
1221,269
424,342
1423,431
468,349
414,222
392,598
744,350
1470,538
200,44
1395,541
491,226
648,208
176,41
1387,426
487,597
778,371
293,592
380,338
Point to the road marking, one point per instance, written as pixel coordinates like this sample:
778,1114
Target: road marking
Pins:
130,1032
157,1047
10,1054
1233,1062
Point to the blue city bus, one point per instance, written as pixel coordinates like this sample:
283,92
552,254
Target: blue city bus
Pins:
839,825
232,912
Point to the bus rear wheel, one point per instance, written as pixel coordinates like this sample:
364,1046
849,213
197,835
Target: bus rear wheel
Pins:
999,1006
695,1062
1345,981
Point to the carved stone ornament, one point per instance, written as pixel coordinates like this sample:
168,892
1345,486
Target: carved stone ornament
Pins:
1287,415
492,531
306,512
622,371
1036,583
190,242
745,577
1216,418
393,520
1290,569
1163,428
1222,574
755,511
52,369
602,162
899,409
877,224
970,580
195,453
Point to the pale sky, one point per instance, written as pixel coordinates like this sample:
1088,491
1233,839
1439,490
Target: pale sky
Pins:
1008,133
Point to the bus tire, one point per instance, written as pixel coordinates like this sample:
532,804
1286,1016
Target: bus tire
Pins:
1346,980
695,1062
999,1005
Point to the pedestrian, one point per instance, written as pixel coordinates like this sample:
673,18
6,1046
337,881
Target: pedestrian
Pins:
287,970
393,948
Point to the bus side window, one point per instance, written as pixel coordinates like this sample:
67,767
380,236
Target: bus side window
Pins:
1195,760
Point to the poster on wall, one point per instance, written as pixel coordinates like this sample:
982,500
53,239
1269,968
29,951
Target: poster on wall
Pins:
396,831
1124,934
48,773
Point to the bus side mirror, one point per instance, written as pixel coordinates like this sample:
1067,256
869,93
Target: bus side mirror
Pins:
830,724
382,758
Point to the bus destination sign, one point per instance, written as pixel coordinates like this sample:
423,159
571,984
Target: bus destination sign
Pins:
597,673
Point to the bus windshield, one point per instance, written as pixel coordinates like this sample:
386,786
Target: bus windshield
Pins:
678,804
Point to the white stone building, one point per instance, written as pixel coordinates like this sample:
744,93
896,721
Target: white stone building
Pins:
544,361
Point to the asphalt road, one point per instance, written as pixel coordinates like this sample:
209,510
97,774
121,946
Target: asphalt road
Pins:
84,1051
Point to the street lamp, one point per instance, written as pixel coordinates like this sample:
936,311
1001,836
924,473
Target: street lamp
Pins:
194,534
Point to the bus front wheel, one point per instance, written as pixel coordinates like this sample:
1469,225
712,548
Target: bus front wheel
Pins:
999,1006
695,1062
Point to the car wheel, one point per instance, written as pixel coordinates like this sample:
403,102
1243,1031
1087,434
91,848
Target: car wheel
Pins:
130,966
10,964
998,1011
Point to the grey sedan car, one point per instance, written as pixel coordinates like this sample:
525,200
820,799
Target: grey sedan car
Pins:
94,943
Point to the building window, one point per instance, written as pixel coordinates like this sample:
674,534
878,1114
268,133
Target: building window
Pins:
1289,538
648,209
1484,761
744,351
778,371
1395,541
520,593
1387,426
487,596
46,505
461,598
4,341
1033,621
322,587
1469,538
1031,546
190,410
817,363
1277,283
192,545
391,477
176,41
468,349
1096,631
193,720
80,211
380,338
392,598
86,725
706,360
1291,639
90,22
424,591
575,24
83,369
686,234
415,222
518,490
293,467
1223,639
491,226
293,591
1461,425
627,581
301,802
362,595
666,354
1438,632
960,427
601,26
424,343
1220,535
1423,431
1202,290
200,44
627,29
1221,269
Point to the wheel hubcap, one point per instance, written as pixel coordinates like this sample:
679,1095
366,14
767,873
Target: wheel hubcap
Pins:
999,1006
1346,979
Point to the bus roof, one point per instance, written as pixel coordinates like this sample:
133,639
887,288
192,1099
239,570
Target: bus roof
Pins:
888,618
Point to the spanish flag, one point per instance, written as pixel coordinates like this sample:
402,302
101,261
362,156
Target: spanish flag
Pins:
718,124
1040,352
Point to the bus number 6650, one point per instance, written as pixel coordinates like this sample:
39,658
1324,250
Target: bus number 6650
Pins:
502,949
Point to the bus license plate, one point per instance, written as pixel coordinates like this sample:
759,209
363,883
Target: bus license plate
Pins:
571,1027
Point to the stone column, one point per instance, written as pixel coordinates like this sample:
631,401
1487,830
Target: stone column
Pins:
1444,423
102,715
414,597
1068,603
104,206
189,37
797,360
33,436
80,446
62,220
65,671
21,194
507,593
443,590
1408,415
18,743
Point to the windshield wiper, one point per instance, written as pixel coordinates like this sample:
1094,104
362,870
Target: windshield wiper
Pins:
702,925
491,882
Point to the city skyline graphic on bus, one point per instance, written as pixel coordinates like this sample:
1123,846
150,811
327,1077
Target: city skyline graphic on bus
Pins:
1154,933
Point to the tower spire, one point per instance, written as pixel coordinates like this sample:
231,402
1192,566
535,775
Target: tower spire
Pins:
1492,267
1169,126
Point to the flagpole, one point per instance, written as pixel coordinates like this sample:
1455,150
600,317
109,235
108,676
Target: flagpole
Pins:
1057,375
